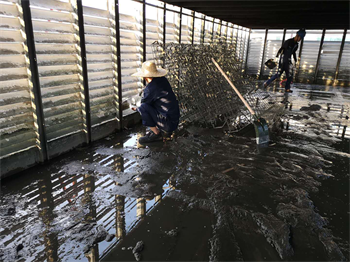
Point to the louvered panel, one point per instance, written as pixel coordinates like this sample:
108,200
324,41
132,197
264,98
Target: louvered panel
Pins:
234,35
229,34
329,56
273,44
130,20
17,131
256,46
309,56
186,29
197,31
216,31
208,30
59,68
154,30
344,67
172,27
101,62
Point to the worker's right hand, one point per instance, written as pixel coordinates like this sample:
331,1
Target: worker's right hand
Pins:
134,108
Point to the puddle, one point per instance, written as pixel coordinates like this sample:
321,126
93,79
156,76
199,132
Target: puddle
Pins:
205,196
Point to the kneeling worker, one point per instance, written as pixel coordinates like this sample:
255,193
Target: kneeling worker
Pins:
159,107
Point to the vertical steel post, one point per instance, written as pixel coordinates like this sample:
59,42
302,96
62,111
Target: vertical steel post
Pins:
220,28
84,66
193,27
180,28
299,59
119,67
212,31
339,57
39,111
144,34
246,58
284,35
319,56
263,55
164,24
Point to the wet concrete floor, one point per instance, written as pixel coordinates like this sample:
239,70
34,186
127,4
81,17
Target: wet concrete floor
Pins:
205,196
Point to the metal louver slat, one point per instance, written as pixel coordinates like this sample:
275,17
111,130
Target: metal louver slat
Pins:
256,45
101,63
56,36
17,114
273,44
154,30
131,47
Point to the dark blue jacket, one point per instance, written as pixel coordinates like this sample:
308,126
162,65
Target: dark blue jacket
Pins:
288,49
159,94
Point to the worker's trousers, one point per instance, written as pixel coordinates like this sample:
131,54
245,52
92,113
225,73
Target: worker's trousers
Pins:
151,118
286,67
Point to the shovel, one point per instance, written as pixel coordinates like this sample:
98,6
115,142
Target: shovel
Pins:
260,125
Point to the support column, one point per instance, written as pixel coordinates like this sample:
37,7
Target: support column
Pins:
33,65
284,35
339,58
180,27
119,67
263,55
193,17
144,34
84,69
319,56
299,58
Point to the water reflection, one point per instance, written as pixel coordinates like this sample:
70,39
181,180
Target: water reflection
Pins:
76,206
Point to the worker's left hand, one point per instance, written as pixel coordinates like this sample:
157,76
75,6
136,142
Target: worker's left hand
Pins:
134,108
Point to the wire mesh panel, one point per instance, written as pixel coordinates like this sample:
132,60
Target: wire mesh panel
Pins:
309,56
203,93
17,115
273,44
256,46
329,56
58,52
130,20
344,68
99,25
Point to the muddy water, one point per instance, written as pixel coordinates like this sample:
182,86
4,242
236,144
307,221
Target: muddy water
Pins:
205,196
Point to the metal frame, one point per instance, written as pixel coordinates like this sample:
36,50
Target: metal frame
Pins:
263,55
27,17
180,28
319,56
144,34
84,66
339,57
284,35
212,31
299,59
164,25
193,19
120,93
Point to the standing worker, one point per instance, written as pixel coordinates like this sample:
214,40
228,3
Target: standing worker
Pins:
159,107
288,49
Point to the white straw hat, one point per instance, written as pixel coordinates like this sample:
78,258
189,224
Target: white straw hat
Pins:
149,69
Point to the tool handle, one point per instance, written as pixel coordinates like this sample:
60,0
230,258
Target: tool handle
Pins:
234,88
